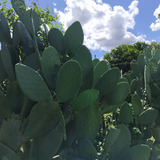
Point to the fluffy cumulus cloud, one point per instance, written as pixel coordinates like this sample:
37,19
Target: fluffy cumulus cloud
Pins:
104,27
156,26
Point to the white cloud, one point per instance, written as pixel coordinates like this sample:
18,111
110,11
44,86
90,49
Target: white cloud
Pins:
54,4
99,1
156,26
104,27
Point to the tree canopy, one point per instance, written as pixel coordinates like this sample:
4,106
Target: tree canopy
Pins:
47,15
122,55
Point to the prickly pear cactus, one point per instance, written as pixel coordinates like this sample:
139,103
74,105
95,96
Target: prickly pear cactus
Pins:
53,98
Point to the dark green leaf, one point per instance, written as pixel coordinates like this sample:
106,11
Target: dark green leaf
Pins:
50,63
139,152
68,81
73,37
84,58
84,99
31,83
126,113
55,38
43,118
147,117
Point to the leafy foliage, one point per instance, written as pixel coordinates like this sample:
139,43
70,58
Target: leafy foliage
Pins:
48,18
122,55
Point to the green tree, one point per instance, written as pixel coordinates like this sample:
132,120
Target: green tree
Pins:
47,16
154,45
122,55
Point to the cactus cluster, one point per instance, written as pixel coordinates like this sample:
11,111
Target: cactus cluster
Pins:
53,97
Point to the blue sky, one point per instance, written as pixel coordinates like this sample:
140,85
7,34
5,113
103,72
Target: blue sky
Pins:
109,23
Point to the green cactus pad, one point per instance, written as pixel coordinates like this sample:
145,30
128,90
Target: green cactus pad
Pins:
148,91
146,60
147,79
84,99
157,55
43,118
99,69
88,127
108,81
147,76
123,79
27,106
131,75
14,54
156,102
31,83
5,111
87,150
147,117
141,63
125,114
74,36
119,147
3,74
139,152
14,97
147,53
7,62
32,61
95,61
19,6
155,90
7,154
70,133
84,58
137,105
21,35
25,17
68,81
152,61
10,134
16,36
156,133
156,74
4,30
119,94
55,38
128,77
50,63
135,69
134,85
111,138
68,154
45,147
